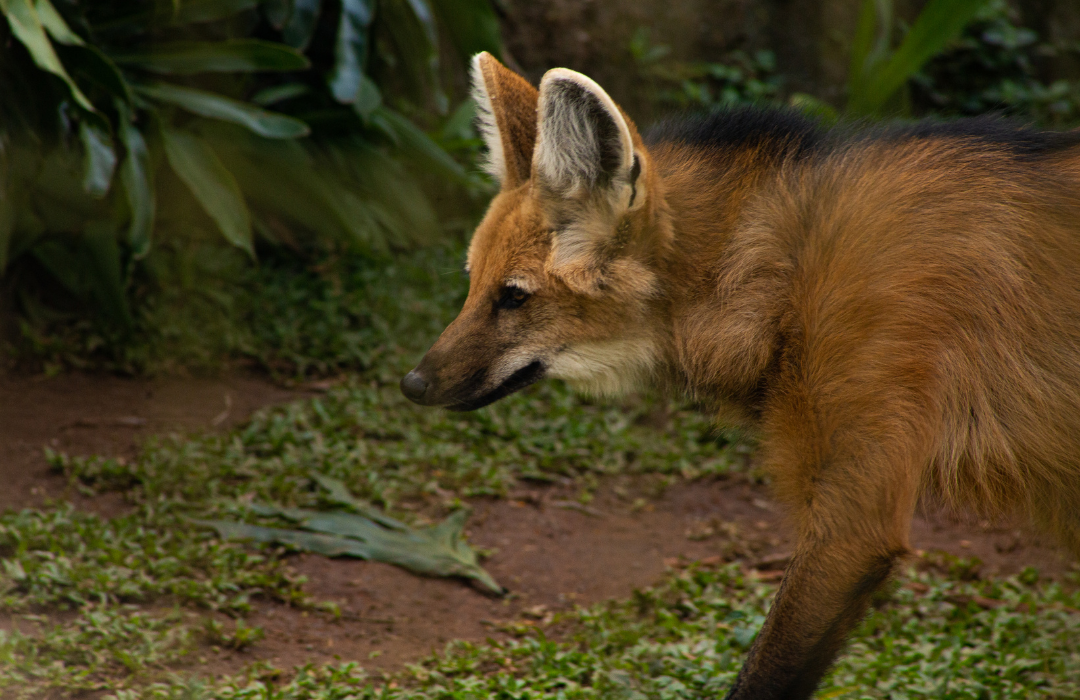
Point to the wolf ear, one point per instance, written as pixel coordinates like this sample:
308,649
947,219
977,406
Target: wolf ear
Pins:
588,172
584,142
506,117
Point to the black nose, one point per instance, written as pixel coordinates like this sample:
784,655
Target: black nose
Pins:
413,386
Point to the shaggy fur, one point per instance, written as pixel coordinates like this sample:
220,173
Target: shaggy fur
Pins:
895,311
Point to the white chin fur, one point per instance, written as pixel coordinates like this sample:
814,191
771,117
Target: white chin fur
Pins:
610,368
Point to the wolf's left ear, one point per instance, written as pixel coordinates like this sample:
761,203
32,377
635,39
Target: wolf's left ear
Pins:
588,175
506,117
584,143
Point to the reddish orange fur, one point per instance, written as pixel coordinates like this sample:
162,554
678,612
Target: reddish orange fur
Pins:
893,316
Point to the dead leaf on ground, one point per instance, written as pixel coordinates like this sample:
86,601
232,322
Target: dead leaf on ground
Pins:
439,550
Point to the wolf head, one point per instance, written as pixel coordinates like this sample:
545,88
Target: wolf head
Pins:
560,273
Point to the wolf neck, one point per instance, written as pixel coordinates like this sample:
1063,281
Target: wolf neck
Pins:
726,279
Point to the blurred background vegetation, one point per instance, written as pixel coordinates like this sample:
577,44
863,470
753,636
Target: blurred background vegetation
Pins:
196,184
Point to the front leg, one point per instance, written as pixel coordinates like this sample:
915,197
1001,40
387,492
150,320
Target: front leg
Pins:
825,593
853,515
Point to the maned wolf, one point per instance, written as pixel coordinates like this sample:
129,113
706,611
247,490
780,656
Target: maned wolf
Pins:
895,311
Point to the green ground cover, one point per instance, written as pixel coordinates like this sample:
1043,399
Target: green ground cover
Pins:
114,602
686,637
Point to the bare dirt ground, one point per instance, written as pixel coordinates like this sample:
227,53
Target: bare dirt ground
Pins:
551,553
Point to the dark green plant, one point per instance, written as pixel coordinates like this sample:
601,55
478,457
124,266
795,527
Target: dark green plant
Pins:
878,71
994,67
880,68
737,77
126,121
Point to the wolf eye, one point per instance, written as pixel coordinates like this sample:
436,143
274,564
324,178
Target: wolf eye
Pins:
511,298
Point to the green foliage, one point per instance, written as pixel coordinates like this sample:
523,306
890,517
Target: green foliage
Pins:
267,135
993,67
66,559
240,637
387,450
104,648
686,638
878,71
959,58
737,77
439,550
202,307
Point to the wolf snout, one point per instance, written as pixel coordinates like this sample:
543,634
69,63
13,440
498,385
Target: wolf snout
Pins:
414,386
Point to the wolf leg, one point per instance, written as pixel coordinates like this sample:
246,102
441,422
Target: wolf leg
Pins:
854,517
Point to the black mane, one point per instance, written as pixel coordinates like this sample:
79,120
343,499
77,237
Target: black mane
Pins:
1020,139
786,132
775,129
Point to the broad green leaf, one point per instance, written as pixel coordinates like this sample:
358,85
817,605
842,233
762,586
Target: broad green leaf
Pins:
419,145
368,99
460,123
56,193
27,28
55,24
89,265
135,176
279,93
301,25
100,159
940,22
338,493
64,264
232,55
863,43
426,18
433,551
326,545
190,11
93,66
393,201
212,184
472,25
350,50
107,280
348,189
283,179
337,522
208,104
150,15
409,26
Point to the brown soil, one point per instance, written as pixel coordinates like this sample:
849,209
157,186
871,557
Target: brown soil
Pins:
83,414
549,551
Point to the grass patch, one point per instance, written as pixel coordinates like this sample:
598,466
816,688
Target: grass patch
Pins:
203,308
103,648
687,637
388,450
115,603
356,314
65,559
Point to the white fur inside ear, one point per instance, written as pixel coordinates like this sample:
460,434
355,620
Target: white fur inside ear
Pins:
495,162
582,140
